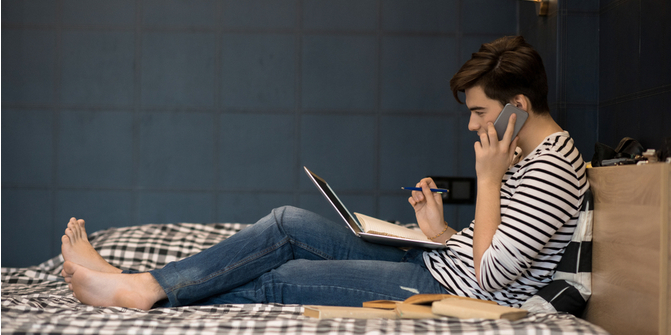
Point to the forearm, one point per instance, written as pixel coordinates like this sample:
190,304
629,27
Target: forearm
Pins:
487,219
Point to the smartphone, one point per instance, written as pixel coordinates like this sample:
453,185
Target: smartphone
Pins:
501,122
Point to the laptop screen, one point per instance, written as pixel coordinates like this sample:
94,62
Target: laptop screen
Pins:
333,199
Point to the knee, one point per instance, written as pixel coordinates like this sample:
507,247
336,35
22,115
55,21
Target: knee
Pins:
285,213
279,211
291,219
288,215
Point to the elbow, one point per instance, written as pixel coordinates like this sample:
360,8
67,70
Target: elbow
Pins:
497,271
483,274
491,287
488,282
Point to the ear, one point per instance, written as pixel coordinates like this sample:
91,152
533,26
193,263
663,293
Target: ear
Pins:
521,101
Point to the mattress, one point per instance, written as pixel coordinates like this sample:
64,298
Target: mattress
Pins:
36,300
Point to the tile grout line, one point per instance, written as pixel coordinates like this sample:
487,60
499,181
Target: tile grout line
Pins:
218,74
298,105
378,112
137,115
56,108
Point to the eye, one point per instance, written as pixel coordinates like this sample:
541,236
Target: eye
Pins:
478,111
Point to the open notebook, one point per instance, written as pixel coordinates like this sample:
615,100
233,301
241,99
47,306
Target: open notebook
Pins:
372,229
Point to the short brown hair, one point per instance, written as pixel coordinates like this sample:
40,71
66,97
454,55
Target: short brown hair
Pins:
505,68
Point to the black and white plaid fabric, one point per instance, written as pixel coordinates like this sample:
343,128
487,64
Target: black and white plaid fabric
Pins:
37,300
571,285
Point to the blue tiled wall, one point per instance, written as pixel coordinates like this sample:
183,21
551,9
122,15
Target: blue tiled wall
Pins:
634,101
608,68
129,112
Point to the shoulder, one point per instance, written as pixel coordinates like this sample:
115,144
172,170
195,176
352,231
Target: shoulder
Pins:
561,144
555,161
557,151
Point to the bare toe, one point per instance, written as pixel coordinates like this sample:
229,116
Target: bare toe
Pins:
75,231
76,248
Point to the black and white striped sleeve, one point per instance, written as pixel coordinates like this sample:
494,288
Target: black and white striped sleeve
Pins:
541,199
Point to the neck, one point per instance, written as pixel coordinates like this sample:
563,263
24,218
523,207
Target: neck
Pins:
536,129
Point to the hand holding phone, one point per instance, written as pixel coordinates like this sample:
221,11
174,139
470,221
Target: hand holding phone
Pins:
501,122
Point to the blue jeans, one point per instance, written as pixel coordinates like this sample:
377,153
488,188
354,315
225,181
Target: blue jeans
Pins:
293,256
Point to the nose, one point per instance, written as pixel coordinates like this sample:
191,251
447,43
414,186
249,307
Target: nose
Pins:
473,125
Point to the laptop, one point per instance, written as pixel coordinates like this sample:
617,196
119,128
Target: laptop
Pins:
356,227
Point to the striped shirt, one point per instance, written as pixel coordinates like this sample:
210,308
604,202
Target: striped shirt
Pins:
540,202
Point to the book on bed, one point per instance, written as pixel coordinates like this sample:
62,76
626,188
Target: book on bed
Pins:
473,309
333,312
420,306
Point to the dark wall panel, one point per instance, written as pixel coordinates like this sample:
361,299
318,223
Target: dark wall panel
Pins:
127,112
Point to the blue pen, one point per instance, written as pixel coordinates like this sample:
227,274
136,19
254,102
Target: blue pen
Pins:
437,190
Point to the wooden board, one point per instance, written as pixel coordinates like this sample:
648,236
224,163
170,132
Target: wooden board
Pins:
630,279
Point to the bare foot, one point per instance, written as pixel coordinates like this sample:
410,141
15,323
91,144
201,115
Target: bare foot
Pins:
77,249
95,288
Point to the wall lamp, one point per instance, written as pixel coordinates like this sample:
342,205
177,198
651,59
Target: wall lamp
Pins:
542,7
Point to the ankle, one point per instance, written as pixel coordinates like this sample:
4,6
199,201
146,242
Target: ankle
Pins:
154,290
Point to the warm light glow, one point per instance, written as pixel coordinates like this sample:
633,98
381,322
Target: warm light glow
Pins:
542,6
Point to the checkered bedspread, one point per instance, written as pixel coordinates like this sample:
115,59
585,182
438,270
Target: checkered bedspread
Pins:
37,300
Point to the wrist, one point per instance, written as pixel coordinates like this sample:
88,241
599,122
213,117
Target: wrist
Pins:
489,182
437,235
445,236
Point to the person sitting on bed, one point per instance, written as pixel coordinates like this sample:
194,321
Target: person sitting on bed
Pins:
527,208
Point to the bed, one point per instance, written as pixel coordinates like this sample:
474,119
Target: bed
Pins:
36,299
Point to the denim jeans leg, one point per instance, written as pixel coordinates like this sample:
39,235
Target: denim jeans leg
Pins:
286,234
340,283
